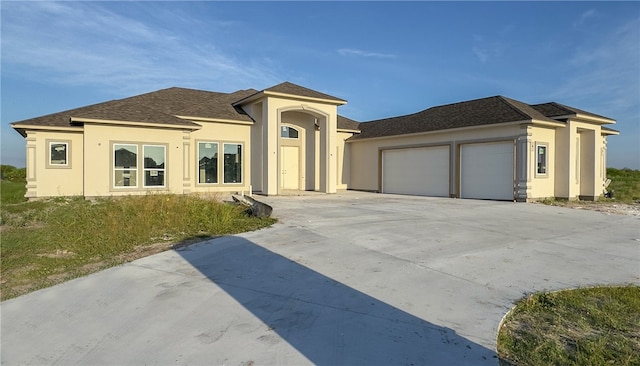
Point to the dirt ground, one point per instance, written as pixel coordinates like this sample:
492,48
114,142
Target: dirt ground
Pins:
608,208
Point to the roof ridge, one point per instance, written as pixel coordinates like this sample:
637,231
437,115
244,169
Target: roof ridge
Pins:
562,106
510,103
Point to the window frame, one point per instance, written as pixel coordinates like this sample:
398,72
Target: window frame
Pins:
241,162
218,170
288,129
139,170
163,169
545,146
114,169
50,164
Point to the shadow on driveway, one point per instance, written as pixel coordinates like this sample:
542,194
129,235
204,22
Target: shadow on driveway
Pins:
324,320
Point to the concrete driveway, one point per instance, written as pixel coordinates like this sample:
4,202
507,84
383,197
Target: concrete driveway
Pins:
346,279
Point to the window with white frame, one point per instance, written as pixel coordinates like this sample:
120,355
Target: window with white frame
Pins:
125,165
58,154
541,159
207,162
154,165
288,132
232,168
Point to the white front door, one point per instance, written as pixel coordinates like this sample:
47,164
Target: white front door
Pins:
289,164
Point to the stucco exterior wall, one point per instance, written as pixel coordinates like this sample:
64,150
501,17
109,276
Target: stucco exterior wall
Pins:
343,159
579,160
221,133
542,185
307,144
47,180
271,117
98,165
257,143
365,154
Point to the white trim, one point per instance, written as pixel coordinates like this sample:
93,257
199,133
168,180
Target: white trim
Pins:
134,123
242,165
217,175
494,125
218,120
67,149
538,145
164,170
114,169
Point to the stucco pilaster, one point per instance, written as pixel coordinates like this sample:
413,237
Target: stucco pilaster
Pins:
331,162
524,153
31,158
186,162
270,149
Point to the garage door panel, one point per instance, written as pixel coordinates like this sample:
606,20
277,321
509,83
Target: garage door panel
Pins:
486,171
416,171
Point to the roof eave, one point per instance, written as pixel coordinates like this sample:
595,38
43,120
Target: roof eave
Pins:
219,120
266,93
23,128
312,99
447,130
590,118
609,132
547,123
136,123
348,130
597,119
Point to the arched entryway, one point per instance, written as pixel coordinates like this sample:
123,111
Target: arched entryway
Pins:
303,150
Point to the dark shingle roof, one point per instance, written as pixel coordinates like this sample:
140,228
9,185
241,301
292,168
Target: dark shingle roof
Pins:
158,107
554,109
477,112
126,110
293,89
60,119
345,123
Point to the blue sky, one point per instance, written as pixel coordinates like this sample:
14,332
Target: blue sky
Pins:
385,58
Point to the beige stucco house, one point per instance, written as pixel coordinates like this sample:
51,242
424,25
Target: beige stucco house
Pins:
288,138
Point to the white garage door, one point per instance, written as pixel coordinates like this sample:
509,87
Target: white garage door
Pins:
486,171
418,171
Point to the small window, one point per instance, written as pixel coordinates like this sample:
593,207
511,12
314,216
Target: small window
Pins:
207,162
232,163
125,165
59,153
289,132
541,153
154,165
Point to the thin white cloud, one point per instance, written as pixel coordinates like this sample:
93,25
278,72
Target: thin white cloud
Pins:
609,71
605,79
84,43
584,17
481,53
489,50
361,53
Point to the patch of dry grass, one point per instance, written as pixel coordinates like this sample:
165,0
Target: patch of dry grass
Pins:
50,241
590,326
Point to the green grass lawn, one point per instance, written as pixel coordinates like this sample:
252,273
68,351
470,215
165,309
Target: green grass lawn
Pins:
625,184
12,192
49,241
591,326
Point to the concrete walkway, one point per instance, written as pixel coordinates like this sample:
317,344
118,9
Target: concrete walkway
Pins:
346,279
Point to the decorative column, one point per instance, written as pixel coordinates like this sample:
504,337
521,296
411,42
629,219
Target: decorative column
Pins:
32,186
524,152
186,162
